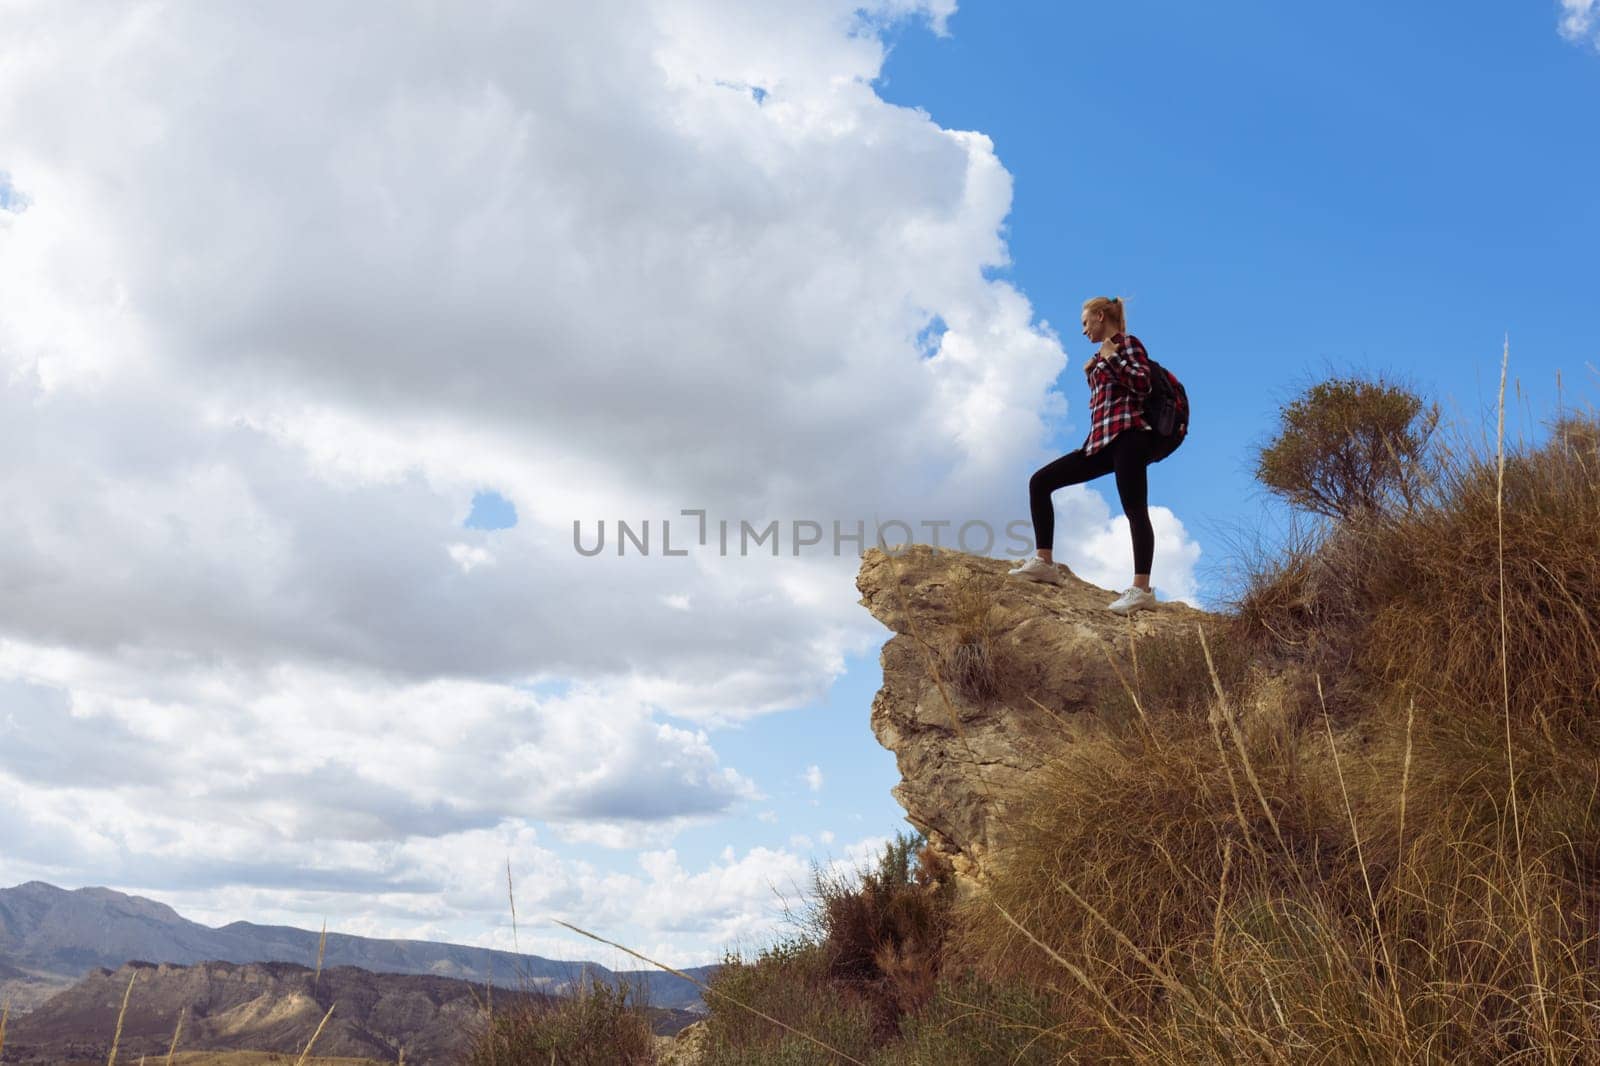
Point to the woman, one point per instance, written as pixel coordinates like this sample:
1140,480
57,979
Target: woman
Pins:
1119,442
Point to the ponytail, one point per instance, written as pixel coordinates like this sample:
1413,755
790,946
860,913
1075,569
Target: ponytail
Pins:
1112,307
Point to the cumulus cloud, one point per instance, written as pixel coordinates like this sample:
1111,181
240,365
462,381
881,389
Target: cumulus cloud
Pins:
1101,552
292,287
1580,20
454,888
361,759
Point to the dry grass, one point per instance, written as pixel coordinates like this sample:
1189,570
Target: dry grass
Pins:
598,1026
263,1058
1413,596
1398,865
972,653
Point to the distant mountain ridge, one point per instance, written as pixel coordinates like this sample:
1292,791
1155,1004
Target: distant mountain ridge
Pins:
272,1006
57,935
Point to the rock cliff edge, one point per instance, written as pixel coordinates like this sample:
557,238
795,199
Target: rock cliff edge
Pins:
986,679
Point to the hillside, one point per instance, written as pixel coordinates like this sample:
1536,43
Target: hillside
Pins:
1353,819
50,937
265,1007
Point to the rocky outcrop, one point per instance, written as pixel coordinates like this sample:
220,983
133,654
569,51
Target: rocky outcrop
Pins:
688,1047
270,1006
987,679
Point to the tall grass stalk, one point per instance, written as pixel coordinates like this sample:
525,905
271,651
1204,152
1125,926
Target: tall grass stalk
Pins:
322,944
1391,976
1128,1028
1405,775
116,1037
512,897
1505,680
172,1049
1138,704
1228,716
309,1043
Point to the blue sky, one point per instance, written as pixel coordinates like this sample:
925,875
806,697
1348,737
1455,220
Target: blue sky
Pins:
1279,188
311,365
1275,189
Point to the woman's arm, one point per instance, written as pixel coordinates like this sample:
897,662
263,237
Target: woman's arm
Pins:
1127,364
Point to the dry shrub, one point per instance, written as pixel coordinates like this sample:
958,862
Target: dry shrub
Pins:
972,654
870,952
884,936
973,1022
1348,445
1436,622
788,981
598,1026
1167,671
1411,597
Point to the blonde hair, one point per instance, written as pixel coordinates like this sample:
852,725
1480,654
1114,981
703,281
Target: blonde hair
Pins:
1112,307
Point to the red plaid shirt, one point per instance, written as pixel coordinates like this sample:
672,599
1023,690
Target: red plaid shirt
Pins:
1118,384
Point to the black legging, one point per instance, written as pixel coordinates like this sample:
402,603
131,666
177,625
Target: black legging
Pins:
1128,455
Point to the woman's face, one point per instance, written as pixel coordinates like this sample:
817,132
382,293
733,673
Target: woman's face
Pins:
1094,324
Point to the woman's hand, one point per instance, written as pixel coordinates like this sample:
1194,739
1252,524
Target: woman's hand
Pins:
1108,348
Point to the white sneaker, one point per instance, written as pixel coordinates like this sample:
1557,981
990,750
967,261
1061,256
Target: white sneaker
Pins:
1036,569
1133,599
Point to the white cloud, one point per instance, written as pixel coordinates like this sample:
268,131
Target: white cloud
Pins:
1580,20
327,759
813,778
1101,551
293,286
468,556
660,907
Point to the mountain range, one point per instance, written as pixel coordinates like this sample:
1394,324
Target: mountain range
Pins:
280,1007
51,937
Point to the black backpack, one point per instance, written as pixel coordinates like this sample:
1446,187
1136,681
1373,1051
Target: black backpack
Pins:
1166,410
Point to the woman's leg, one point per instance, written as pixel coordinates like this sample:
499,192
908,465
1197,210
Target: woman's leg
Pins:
1074,468
1130,460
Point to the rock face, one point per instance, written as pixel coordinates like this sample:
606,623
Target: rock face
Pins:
986,679
272,1006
